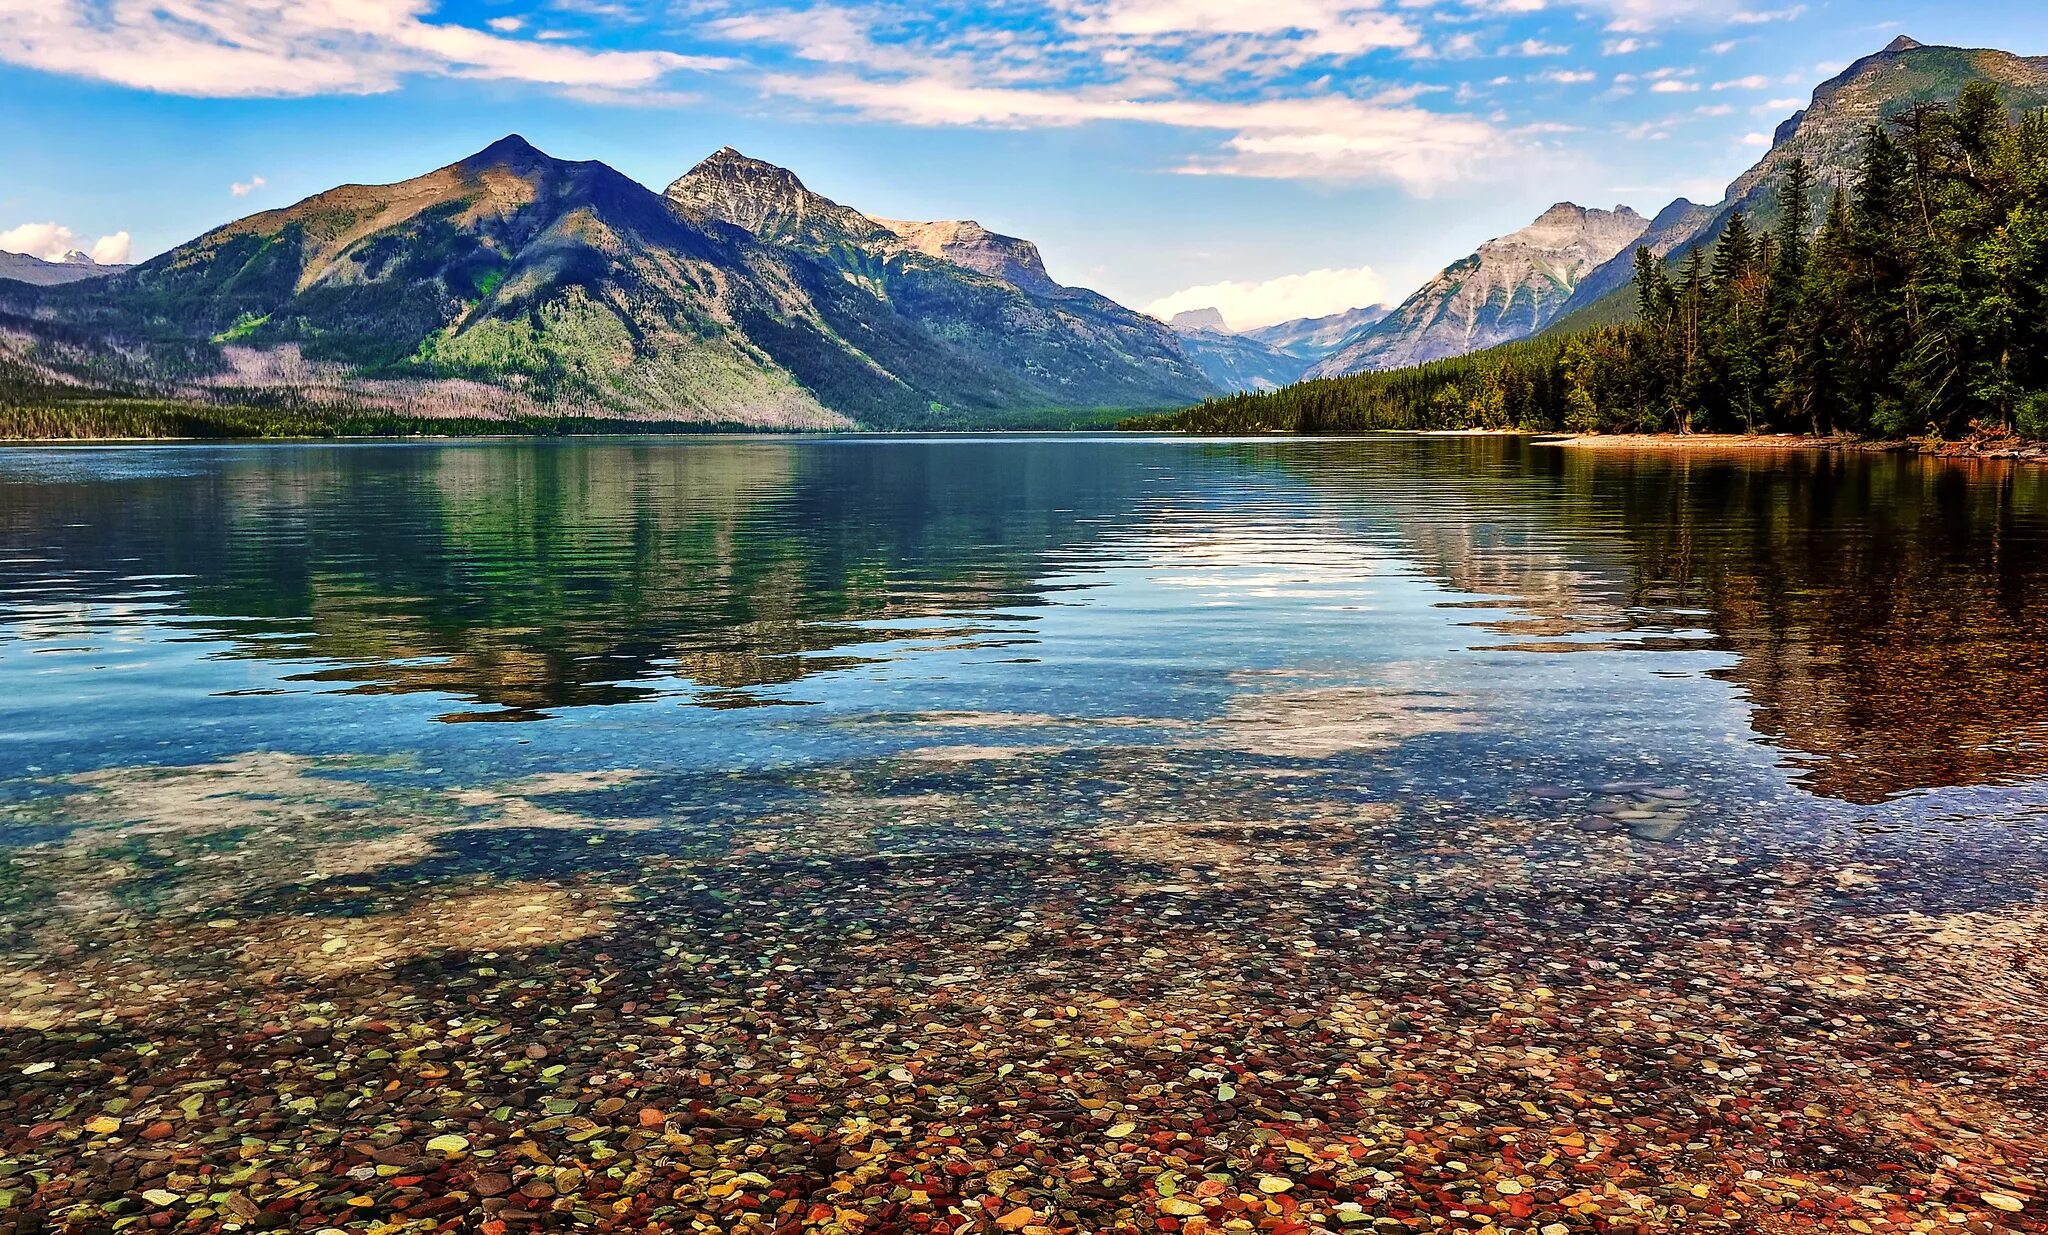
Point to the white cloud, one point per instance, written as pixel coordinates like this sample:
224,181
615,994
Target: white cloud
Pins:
1757,139
1672,85
1324,27
1250,305
1641,16
242,188
1328,137
113,250
292,48
1758,17
1755,81
52,241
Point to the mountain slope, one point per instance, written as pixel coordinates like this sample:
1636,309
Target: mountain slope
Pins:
983,295
1510,289
74,266
1828,136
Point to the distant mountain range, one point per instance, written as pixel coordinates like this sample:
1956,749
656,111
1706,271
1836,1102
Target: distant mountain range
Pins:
1317,337
70,268
1271,356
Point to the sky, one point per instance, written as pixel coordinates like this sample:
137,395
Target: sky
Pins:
1272,158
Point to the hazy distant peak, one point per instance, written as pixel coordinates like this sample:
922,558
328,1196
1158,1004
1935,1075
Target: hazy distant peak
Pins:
1210,319
1904,43
1678,209
70,268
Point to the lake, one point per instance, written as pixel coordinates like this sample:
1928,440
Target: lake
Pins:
1060,833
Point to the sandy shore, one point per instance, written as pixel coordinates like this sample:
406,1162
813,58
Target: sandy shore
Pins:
2002,449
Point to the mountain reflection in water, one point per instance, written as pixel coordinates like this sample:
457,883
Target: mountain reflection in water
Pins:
1886,615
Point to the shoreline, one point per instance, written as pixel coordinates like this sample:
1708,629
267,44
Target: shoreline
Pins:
2011,450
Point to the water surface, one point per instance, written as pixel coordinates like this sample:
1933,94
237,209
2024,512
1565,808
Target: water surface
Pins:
973,732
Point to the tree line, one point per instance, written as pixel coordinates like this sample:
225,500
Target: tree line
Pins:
1918,308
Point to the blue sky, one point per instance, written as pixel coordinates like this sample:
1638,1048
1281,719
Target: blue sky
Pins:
1275,157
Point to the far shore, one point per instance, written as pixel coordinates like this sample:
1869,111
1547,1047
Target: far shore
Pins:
2004,448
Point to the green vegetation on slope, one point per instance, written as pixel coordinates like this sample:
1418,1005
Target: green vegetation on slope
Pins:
1921,308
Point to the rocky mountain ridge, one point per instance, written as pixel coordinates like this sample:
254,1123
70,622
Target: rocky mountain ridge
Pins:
1509,289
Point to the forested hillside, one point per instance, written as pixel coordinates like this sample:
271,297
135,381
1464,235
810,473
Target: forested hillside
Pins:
1920,309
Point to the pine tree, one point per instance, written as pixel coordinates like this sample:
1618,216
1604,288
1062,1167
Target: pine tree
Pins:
1879,276
1786,326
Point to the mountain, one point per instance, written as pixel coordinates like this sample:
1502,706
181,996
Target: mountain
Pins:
1317,337
513,283
1674,229
70,268
1510,289
966,243
556,283
977,294
1234,362
1209,320
1828,134
1271,356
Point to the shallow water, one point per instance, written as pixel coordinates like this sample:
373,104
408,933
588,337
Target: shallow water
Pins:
743,722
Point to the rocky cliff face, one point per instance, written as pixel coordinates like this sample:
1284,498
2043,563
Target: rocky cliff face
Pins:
968,244
1674,229
769,203
1510,289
